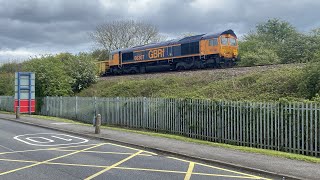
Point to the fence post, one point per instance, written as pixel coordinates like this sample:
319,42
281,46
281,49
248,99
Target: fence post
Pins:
118,111
281,126
60,106
95,104
18,112
47,105
144,112
219,122
76,108
98,124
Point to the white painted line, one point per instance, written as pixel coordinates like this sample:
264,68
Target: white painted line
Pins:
62,138
61,123
51,139
46,139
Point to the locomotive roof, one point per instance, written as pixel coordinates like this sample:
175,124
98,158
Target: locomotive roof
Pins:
175,41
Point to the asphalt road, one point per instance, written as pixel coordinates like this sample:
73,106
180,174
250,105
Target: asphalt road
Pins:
29,152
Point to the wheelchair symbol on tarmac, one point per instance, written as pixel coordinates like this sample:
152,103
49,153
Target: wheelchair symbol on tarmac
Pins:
49,139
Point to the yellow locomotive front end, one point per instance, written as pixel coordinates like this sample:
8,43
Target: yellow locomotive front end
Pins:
220,48
228,47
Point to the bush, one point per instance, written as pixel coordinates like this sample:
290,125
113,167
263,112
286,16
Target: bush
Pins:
63,74
6,84
310,86
259,56
51,79
298,49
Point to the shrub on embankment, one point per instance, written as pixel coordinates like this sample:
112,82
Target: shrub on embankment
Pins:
292,83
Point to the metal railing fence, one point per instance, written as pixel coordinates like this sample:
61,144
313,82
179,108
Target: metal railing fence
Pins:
6,103
289,127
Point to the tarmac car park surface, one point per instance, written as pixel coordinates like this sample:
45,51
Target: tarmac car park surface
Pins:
29,152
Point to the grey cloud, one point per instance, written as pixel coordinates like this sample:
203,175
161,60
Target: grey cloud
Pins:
60,25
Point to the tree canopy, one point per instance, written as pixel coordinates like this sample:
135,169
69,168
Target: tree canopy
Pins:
282,42
125,33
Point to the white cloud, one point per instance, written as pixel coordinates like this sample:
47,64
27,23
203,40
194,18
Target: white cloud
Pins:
144,7
108,4
211,4
9,55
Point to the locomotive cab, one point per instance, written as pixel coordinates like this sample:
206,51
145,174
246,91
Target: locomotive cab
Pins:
228,47
220,49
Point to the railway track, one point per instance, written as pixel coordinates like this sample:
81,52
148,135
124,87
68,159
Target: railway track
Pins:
210,73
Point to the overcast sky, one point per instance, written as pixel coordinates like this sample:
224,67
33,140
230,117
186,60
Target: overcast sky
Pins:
33,27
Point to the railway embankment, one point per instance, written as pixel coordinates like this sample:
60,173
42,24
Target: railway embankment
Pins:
259,83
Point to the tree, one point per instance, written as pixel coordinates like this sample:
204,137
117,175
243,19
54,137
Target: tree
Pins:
125,33
275,37
100,54
274,32
80,68
315,37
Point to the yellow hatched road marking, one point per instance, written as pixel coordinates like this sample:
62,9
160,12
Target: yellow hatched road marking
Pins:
101,152
228,170
43,162
53,163
47,149
114,165
128,168
17,160
66,147
151,170
132,148
189,172
181,172
231,176
31,150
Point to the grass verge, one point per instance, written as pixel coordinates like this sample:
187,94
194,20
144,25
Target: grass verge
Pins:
187,139
5,112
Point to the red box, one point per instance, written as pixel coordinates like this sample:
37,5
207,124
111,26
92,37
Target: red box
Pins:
24,105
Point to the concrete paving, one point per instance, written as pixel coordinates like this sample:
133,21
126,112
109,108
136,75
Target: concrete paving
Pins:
31,152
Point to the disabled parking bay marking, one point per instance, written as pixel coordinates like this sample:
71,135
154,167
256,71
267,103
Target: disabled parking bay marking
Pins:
49,139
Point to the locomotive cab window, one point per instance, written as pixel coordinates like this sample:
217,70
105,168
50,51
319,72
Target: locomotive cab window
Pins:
213,42
233,42
224,41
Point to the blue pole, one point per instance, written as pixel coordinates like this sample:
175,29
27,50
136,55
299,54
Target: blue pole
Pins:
18,89
29,92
